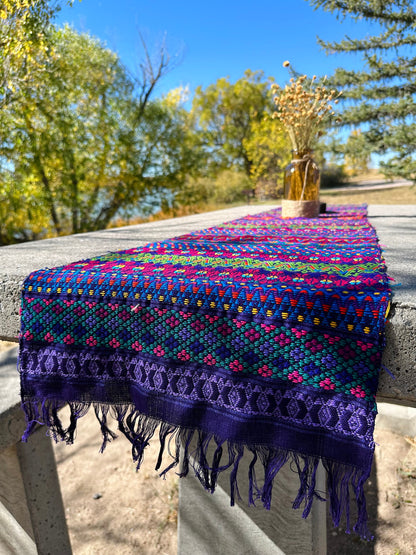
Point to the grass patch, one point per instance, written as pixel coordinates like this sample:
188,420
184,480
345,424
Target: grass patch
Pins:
398,195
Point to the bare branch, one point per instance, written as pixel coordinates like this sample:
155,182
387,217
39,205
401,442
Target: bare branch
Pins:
152,70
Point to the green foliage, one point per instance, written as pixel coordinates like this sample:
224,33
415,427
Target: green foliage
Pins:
83,143
22,217
69,131
232,186
357,154
24,42
235,125
333,176
195,191
92,144
229,186
380,98
169,131
268,146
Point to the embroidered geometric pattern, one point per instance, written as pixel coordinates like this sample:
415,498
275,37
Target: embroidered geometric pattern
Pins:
220,390
262,332
226,318
309,356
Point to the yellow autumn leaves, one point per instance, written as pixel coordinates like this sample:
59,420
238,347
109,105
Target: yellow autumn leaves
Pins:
22,36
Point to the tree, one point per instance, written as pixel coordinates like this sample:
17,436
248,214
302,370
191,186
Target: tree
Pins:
198,191
169,152
24,28
89,137
380,99
357,158
269,149
235,119
22,215
64,130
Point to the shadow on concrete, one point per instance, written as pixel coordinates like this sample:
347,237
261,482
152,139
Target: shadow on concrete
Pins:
341,543
406,216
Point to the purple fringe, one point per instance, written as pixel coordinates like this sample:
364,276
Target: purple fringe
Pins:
189,447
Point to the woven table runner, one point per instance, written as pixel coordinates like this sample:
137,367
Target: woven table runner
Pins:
260,335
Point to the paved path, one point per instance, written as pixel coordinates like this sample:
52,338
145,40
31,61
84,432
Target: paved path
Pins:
369,185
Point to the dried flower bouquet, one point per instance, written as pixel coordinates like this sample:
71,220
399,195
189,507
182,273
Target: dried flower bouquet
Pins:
303,106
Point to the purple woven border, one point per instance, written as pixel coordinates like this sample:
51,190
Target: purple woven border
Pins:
281,415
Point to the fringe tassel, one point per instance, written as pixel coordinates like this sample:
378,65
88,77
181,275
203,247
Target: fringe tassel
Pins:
388,371
189,447
307,476
272,461
339,481
252,481
101,414
138,429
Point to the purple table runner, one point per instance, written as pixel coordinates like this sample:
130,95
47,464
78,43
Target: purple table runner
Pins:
260,335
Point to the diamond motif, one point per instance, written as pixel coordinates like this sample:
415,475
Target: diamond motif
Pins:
354,423
50,363
234,397
158,380
262,403
70,367
182,385
293,408
249,390
220,385
277,396
207,390
119,369
93,367
308,402
324,415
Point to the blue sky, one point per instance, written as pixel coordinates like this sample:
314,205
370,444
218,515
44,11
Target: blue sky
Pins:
218,38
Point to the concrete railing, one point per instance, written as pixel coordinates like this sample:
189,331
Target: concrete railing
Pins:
396,228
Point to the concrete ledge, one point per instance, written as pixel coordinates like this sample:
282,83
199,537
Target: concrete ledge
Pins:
254,534
13,538
12,419
30,498
395,225
396,230
398,419
208,526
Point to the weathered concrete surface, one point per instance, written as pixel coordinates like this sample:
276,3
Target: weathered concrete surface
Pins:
398,419
395,225
30,498
207,525
12,419
396,230
13,538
